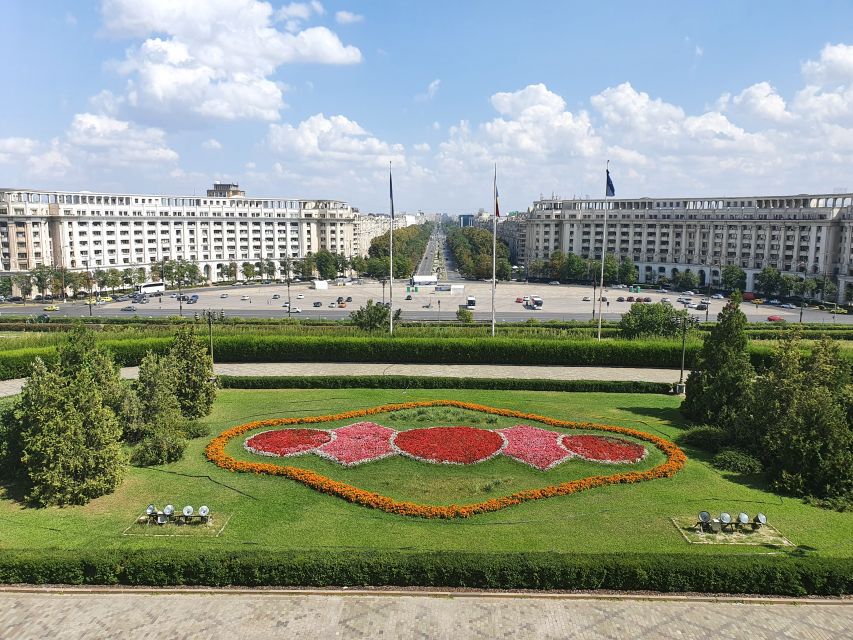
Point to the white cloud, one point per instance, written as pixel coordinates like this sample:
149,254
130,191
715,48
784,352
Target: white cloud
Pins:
250,166
436,126
422,147
834,66
431,90
106,140
348,17
216,58
212,144
762,101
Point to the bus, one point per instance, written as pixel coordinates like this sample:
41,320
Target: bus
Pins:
151,288
472,302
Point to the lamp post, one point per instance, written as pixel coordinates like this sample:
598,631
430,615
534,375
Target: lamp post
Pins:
683,321
384,282
439,310
211,316
89,282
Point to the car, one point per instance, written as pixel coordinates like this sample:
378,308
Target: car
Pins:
349,299
245,298
519,299
296,280
630,299
300,296
689,293
701,307
342,305
16,299
333,304
788,305
620,299
38,297
663,291
718,296
554,282
602,299
620,286
193,300
174,295
223,295
666,300
775,319
692,305
296,310
129,307
705,301
586,299
646,299
318,304
47,297
774,301
340,299
276,296
51,307
286,304
408,297
266,282
142,301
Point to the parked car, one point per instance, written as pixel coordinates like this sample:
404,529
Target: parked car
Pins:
788,305
620,299
705,301
296,310
666,300
646,299
38,297
775,319
342,305
689,293
349,299
333,304
51,307
408,297
223,295
300,296
774,301
586,299
286,304
16,299
48,296
630,298
718,296
554,282
701,307
244,298
318,304
276,296
340,299
129,307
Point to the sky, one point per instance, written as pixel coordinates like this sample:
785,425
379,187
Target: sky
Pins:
314,99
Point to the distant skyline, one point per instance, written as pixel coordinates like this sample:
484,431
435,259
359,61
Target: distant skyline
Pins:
313,99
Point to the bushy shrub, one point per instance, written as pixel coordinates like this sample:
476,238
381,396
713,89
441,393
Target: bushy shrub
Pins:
737,461
465,316
708,438
193,429
159,447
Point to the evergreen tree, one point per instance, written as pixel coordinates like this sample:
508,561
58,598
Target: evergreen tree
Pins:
195,386
719,389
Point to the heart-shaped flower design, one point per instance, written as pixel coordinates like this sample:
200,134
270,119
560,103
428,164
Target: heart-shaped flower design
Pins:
366,441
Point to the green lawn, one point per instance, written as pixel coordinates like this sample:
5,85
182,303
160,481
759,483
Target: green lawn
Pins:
276,513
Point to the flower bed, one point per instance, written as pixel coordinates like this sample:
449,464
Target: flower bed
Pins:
449,445
536,447
215,452
284,443
601,449
358,443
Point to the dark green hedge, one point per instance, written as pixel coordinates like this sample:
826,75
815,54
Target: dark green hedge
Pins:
430,382
772,575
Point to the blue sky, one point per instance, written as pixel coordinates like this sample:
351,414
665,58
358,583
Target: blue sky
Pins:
312,99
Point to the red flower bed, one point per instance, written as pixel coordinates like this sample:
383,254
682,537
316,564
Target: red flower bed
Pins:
604,449
287,442
539,448
449,445
357,443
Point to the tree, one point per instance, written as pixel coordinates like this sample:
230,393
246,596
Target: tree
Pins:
611,269
787,285
195,388
269,269
658,319
371,317
248,270
231,271
114,279
24,282
286,268
803,431
358,264
100,278
464,315
720,387
69,440
556,265
342,263
162,427
42,276
306,267
76,281
327,265
403,267
628,272
767,281
5,287
575,268
733,278
687,280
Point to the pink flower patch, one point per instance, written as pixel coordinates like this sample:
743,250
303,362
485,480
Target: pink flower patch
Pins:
357,443
539,448
604,449
283,443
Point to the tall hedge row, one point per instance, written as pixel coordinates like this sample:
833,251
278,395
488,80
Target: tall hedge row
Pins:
772,575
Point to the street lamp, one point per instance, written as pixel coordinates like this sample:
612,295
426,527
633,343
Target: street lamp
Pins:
89,282
683,321
439,310
384,282
211,316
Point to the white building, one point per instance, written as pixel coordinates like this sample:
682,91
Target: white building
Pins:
89,230
805,234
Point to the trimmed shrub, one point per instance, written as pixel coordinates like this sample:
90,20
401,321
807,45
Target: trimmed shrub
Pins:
737,461
708,438
159,447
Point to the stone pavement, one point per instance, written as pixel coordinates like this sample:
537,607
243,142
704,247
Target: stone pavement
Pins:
11,387
219,614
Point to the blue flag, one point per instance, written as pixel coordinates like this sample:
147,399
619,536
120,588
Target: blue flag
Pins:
611,190
391,191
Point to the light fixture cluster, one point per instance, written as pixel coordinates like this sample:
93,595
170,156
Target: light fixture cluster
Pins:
726,522
186,516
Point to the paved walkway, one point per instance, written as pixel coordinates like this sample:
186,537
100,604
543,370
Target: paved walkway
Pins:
84,616
11,387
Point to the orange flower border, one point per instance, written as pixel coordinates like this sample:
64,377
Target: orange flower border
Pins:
215,452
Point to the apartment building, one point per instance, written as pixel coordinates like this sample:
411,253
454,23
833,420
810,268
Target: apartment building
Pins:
805,234
88,230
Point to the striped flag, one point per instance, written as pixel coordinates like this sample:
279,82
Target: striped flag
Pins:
391,191
497,199
610,190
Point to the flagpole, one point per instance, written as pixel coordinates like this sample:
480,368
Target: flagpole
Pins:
494,245
603,253
391,254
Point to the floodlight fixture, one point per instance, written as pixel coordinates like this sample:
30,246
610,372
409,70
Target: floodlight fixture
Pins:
150,510
760,519
725,518
169,510
188,511
204,511
742,518
704,517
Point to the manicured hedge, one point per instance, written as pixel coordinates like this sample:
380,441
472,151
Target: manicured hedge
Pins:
430,382
772,575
